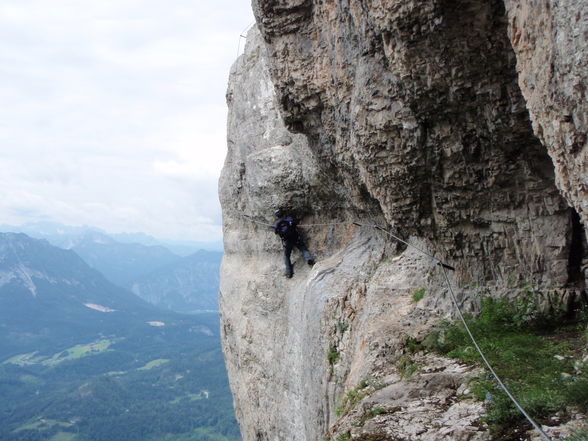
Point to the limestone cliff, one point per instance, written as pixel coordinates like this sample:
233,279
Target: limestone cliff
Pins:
407,115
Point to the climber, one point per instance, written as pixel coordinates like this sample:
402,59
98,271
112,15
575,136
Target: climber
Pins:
285,227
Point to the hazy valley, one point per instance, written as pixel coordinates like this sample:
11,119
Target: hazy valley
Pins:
84,359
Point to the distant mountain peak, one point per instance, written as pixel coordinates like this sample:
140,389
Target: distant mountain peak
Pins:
15,262
96,237
54,274
25,275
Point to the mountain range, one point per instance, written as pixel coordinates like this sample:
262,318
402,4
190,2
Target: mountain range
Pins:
45,291
122,263
84,359
166,279
65,236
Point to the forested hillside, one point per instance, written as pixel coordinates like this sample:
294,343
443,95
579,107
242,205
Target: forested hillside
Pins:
82,359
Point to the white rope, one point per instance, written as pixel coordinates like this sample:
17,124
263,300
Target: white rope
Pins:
323,225
488,365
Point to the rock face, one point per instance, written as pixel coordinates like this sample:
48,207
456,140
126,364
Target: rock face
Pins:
408,116
550,39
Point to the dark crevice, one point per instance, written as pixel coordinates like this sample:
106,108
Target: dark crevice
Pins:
261,436
577,251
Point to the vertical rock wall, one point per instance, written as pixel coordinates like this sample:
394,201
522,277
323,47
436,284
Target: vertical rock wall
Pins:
403,114
550,39
419,102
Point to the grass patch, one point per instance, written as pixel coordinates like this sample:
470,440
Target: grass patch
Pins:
374,412
24,359
333,355
418,295
378,436
531,352
191,397
42,424
115,373
30,379
392,259
354,396
377,411
78,351
153,364
63,436
406,366
578,435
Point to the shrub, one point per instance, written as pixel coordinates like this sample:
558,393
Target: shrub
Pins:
577,392
418,295
342,326
354,396
521,344
578,435
406,366
333,355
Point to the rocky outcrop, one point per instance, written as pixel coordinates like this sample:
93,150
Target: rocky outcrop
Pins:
550,39
408,116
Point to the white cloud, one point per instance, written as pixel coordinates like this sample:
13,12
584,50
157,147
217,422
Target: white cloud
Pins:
113,112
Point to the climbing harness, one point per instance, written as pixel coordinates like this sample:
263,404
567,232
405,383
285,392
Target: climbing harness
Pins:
444,268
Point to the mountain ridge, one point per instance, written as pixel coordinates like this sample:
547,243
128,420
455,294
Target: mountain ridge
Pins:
47,289
186,283
65,236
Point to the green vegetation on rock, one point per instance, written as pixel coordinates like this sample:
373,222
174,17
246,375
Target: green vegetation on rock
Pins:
354,396
537,356
160,383
406,366
578,435
418,295
333,355
153,364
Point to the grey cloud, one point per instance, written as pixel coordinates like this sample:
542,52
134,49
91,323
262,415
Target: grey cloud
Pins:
94,93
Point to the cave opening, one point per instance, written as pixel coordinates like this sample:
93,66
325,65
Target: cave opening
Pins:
577,253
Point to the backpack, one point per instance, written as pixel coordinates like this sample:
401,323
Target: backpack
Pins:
286,228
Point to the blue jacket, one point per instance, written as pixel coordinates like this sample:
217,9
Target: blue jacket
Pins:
285,227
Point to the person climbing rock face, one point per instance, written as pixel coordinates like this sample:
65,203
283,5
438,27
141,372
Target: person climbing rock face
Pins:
285,227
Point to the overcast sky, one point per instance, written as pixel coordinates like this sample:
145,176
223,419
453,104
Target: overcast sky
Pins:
112,112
